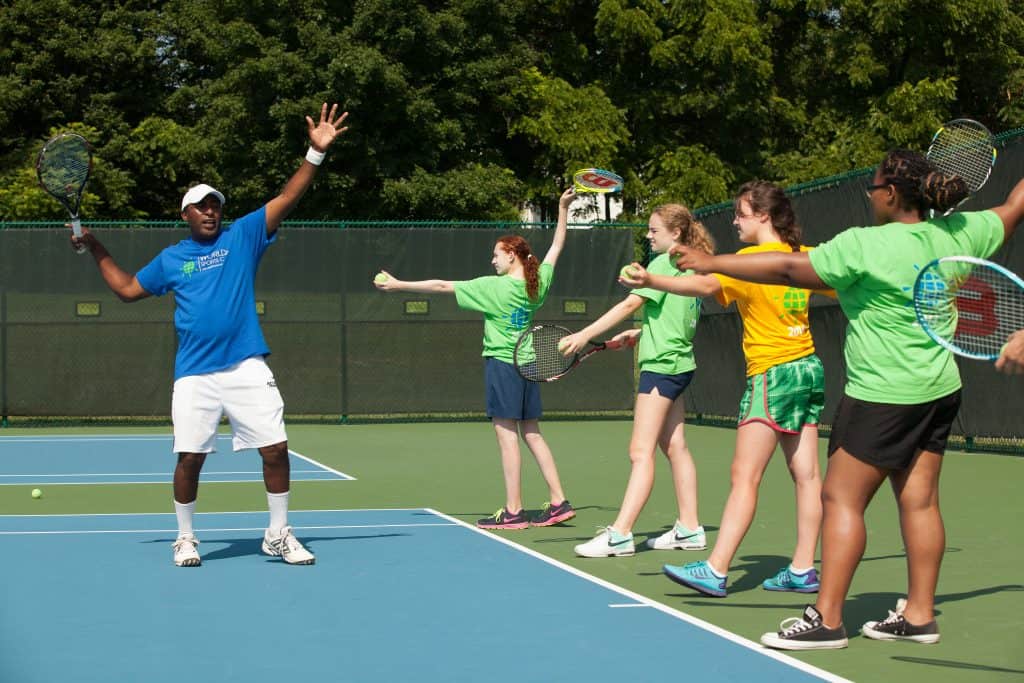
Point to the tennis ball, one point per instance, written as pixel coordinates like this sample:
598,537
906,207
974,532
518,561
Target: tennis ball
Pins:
37,493
380,277
628,272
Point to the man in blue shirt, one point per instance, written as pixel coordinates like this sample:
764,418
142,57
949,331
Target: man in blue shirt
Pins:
219,368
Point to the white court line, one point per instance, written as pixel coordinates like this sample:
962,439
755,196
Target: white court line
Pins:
707,626
225,512
201,531
155,437
145,474
628,604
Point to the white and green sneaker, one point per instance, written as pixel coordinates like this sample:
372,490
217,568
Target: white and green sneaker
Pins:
679,538
608,543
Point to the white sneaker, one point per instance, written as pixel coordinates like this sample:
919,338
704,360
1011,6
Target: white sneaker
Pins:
185,553
679,538
608,543
287,547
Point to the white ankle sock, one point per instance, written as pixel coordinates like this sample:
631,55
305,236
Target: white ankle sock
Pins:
278,504
184,512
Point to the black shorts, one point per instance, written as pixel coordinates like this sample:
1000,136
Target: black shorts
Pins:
669,386
889,435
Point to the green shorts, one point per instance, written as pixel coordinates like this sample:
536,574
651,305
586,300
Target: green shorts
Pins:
786,397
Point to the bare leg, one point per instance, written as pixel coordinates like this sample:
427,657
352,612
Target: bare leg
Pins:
511,461
924,536
648,420
530,430
684,472
276,467
755,444
849,486
801,452
186,476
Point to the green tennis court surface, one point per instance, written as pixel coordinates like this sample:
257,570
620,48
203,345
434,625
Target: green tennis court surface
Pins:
454,469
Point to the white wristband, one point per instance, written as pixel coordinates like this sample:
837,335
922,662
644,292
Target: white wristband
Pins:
314,157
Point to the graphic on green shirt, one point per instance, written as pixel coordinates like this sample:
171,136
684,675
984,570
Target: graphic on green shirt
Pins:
518,318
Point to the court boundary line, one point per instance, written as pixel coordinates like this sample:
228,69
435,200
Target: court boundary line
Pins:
650,602
152,437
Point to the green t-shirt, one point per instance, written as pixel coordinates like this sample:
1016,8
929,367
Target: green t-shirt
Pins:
889,358
506,308
670,321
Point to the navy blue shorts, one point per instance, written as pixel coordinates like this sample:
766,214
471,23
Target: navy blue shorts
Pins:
669,386
508,394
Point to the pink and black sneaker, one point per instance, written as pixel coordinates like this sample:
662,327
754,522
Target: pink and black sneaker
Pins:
502,519
553,514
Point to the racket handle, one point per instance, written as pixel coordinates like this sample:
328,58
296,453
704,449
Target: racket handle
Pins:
76,228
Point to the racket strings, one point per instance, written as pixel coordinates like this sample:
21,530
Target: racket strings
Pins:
547,360
977,308
64,167
966,151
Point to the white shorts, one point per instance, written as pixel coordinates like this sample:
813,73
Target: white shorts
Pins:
246,393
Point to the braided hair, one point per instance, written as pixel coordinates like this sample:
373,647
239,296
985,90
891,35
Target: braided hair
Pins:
922,187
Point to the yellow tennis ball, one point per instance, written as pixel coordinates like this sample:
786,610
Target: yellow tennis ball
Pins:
380,278
37,493
628,272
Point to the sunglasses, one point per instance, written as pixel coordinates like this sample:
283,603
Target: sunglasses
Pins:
871,188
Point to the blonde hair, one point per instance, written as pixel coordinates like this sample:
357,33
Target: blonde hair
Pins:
692,232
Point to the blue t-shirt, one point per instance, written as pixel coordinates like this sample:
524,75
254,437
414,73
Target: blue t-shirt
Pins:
213,285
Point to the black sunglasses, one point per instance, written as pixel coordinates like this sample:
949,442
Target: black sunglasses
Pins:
871,188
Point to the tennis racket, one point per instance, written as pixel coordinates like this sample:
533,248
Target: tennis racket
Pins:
538,358
969,305
596,180
63,167
964,148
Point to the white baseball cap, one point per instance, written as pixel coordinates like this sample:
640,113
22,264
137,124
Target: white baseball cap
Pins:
199,193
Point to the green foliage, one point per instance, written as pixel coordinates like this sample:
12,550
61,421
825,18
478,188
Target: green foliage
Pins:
471,109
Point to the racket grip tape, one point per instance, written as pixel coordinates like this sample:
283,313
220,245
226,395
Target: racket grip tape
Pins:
76,228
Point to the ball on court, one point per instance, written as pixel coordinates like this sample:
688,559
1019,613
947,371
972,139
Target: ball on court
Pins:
628,272
37,493
380,277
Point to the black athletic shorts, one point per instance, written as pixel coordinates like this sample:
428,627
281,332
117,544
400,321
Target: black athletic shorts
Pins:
889,435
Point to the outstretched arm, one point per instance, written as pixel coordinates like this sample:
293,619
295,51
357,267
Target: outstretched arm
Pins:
689,285
1012,210
612,317
770,268
321,136
560,229
392,284
125,286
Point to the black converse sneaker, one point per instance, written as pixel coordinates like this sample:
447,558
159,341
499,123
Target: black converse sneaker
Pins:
806,633
896,627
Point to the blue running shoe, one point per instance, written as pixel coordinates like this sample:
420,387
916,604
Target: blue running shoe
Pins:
787,580
699,577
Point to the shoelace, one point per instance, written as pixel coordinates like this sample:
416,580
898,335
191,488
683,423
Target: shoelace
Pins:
497,515
182,541
793,626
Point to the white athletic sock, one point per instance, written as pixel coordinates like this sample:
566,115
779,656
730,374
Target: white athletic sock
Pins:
184,512
278,504
801,572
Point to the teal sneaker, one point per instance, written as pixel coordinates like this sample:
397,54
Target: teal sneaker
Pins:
787,580
699,577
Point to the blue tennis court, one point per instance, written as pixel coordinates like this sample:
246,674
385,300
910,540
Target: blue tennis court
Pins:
395,595
142,459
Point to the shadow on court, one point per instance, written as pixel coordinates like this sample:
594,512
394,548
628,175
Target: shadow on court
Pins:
948,663
240,547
